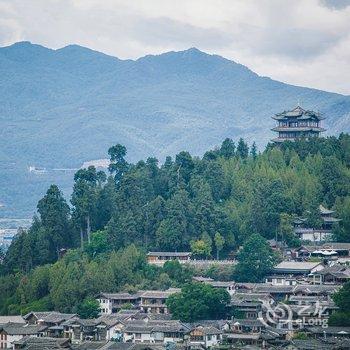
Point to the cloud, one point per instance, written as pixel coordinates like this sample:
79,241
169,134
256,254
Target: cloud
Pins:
301,42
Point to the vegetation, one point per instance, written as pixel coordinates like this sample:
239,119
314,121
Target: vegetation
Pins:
255,260
342,300
199,301
232,197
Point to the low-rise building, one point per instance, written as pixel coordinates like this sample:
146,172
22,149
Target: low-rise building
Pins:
336,274
206,336
155,331
113,302
281,280
42,343
159,258
229,286
154,301
11,332
297,268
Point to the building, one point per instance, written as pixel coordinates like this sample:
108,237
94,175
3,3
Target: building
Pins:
113,302
12,319
229,286
244,331
155,331
297,268
47,318
205,336
324,233
281,280
11,332
159,258
42,343
154,301
249,305
335,274
297,123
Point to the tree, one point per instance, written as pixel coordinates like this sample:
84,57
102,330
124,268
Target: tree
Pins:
89,308
179,272
84,199
118,165
253,151
286,231
342,299
201,248
219,244
99,243
242,149
255,260
227,149
184,166
175,230
199,301
54,215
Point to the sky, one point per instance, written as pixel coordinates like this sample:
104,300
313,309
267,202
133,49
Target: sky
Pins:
302,42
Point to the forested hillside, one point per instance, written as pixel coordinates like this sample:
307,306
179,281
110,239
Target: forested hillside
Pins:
210,205
59,108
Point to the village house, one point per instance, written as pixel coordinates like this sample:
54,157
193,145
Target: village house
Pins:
113,302
206,336
281,280
243,331
229,286
48,318
154,301
297,268
159,258
155,331
42,343
248,305
11,332
335,274
324,233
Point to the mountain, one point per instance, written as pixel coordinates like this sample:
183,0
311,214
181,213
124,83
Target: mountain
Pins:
59,108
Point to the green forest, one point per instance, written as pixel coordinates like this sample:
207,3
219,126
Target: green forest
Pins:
232,196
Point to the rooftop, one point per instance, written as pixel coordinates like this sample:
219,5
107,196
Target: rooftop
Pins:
298,113
169,254
296,265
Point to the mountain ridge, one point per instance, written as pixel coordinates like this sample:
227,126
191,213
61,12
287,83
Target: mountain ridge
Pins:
62,107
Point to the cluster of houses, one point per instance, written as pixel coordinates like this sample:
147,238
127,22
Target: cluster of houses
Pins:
296,297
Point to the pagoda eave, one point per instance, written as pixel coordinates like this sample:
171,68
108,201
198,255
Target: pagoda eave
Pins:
302,128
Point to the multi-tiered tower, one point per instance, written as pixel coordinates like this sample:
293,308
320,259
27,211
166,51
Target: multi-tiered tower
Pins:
297,123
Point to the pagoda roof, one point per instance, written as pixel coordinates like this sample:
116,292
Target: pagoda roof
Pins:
325,211
298,113
298,128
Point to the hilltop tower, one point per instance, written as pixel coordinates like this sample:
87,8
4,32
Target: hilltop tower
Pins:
297,123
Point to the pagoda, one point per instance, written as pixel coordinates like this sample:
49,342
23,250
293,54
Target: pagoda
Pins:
297,123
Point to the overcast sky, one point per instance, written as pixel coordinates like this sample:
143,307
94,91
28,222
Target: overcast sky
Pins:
303,42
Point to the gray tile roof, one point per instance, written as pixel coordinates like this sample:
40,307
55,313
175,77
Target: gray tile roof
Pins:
296,265
20,329
173,254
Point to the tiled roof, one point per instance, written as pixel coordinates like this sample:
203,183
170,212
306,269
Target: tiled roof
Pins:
159,294
174,254
13,319
120,296
296,265
20,329
50,316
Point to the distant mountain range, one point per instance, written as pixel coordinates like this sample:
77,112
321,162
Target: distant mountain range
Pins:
59,108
